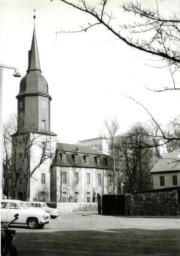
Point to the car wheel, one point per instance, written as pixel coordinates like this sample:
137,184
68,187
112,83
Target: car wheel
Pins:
32,223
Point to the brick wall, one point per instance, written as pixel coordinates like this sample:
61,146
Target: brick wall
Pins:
153,204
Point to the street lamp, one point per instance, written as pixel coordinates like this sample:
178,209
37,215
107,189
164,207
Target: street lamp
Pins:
15,74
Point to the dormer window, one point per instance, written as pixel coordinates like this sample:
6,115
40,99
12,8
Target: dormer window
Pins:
97,160
86,159
75,158
106,161
62,157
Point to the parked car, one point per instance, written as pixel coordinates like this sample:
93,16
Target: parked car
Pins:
33,218
53,212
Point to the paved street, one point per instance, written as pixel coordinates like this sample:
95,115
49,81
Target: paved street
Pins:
93,221
93,235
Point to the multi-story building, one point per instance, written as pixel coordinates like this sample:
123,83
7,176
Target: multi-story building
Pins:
79,173
43,169
98,143
166,172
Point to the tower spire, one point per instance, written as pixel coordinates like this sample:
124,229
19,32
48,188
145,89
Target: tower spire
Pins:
34,63
34,17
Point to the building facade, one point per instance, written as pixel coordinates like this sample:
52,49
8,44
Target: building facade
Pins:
79,173
44,170
98,143
166,172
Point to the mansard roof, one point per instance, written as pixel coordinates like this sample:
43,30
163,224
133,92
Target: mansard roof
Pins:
78,149
169,163
72,155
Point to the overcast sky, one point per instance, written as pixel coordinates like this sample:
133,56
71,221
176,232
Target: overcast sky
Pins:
89,74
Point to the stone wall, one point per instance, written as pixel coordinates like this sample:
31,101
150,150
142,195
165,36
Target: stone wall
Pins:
76,207
153,204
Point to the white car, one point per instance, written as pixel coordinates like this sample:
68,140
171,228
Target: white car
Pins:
53,212
33,218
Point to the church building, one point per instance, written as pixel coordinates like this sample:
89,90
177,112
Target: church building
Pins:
44,170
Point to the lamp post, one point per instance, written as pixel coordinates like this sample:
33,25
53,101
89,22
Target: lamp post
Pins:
15,74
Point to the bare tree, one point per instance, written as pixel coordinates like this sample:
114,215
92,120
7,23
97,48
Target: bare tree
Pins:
109,135
150,30
134,158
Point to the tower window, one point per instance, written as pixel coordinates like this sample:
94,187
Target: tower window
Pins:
43,124
20,104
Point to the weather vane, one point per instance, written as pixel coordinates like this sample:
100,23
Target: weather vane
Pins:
34,16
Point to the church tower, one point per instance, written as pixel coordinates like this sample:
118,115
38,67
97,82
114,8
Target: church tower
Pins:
33,145
33,98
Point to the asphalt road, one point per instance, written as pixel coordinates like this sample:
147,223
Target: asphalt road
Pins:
81,234
95,222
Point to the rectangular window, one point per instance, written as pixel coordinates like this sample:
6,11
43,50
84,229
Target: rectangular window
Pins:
99,179
88,197
20,104
110,180
174,179
162,182
88,178
13,206
76,196
43,178
43,124
64,178
64,196
76,178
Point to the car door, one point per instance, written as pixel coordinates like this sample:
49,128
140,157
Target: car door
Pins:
13,208
4,211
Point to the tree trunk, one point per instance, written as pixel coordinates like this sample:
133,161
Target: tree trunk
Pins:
27,189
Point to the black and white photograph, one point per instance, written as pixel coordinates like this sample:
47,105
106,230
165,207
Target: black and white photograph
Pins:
90,127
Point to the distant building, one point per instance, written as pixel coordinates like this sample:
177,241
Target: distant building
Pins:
96,143
44,170
166,172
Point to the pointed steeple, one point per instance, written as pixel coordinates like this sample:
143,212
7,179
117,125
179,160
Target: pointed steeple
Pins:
34,63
